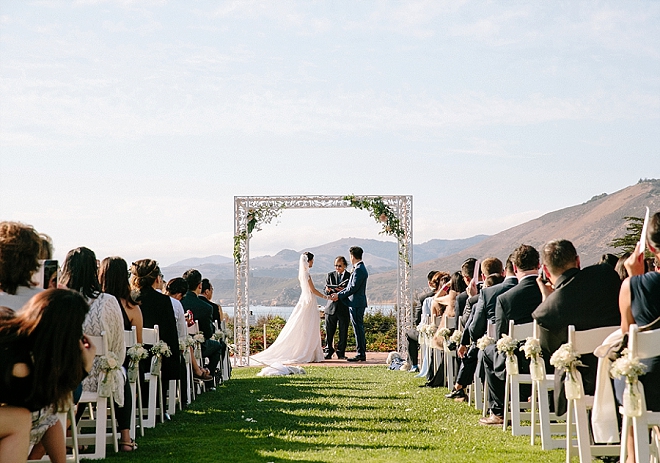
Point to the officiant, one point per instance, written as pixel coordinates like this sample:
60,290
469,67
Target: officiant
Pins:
336,312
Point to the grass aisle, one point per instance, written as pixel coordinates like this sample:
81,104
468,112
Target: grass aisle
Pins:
365,414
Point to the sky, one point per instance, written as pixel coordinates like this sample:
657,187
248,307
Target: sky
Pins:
129,126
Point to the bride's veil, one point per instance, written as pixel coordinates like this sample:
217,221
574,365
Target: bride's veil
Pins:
303,276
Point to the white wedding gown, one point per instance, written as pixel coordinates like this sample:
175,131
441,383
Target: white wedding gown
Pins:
300,339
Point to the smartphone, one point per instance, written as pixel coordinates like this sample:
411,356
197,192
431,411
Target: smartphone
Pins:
542,276
46,275
50,274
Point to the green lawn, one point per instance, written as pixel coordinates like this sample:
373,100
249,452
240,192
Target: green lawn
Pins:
364,414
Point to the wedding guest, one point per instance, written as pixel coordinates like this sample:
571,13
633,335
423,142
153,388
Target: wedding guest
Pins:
113,276
43,357
203,313
176,288
412,334
146,281
492,268
639,302
516,304
587,298
20,246
206,295
80,273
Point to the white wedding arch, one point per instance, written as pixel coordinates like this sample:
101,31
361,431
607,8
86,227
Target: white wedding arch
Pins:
250,212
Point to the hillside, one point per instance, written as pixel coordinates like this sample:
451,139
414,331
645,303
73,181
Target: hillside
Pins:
273,279
591,226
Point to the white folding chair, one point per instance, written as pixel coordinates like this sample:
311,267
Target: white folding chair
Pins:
130,339
512,386
644,345
97,413
585,342
548,422
449,355
196,383
155,402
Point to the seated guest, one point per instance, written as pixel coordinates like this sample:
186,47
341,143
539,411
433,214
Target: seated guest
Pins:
639,302
113,276
517,304
412,334
20,246
203,313
176,288
43,357
492,269
438,305
587,298
146,280
206,294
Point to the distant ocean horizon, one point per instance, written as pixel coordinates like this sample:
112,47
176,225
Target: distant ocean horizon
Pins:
285,311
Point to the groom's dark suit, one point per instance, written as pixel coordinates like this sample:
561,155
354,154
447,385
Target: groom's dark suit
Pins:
356,299
336,312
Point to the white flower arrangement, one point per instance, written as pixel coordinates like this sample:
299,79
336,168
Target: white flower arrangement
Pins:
199,337
565,357
427,329
532,348
218,336
161,349
507,345
232,348
444,333
137,352
627,366
533,352
456,337
108,363
485,341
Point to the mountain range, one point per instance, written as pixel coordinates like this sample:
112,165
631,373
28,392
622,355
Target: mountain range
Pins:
591,226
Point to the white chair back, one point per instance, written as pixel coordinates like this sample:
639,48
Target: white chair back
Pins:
643,345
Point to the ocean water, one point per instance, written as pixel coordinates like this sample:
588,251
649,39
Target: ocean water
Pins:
285,312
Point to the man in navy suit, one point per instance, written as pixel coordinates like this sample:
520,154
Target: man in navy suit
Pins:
355,297
336,312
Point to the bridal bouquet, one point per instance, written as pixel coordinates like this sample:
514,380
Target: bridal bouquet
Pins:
135,353
567,359
507,345
159,350
532,349
108,364
485,341
632,369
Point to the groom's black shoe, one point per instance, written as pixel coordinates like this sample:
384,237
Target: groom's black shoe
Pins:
341,356
328,356
357,358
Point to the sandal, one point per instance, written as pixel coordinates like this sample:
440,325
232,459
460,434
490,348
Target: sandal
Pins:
204,376
132,445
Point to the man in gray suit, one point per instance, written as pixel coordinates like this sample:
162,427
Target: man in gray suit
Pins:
355,297
336,312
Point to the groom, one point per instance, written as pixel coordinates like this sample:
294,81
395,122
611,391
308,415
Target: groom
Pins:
355,298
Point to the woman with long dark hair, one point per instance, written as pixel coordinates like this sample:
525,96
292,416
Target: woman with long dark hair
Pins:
43,357
113,277
80,273
157,310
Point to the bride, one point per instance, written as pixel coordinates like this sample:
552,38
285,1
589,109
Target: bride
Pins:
300,339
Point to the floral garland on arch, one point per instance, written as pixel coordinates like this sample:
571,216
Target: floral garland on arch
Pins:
257,216
381,212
